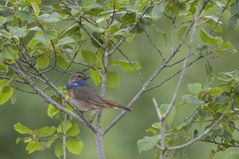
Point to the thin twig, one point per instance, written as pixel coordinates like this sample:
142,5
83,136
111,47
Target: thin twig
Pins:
227,145
132,27
64,136
132,65
162,129
150,79
71,62
99,135
154,75
196,20
154,46
192,141
219,19
50,100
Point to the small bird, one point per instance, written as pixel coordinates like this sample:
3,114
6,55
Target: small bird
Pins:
84,97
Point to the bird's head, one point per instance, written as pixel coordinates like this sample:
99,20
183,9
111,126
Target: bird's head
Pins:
78,76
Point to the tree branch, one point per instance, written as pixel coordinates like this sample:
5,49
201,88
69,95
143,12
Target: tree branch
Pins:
50,100
196,20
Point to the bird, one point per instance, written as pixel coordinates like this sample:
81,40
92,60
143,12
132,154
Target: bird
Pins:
85,98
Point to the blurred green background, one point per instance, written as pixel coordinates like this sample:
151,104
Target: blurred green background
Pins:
120,142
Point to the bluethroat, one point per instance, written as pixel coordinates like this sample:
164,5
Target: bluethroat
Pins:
84,97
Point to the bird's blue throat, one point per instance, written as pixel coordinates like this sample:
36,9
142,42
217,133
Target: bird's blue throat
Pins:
75,84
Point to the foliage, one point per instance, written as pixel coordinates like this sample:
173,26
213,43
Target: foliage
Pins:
41,38
210,102
43,138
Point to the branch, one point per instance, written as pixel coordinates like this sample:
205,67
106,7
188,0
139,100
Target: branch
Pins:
131,63
154,75
176,73
219,19
98,135
219,143
154,46
50,100
196,20
150,79
132,27
64,136
162,129
192,141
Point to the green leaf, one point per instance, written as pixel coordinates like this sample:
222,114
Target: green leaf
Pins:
215,91
73,131
50,34
46,144
97,36
94,75
18,140
50,18
158,10
3,67
22,129
141,4
156,125
33,146
45,36
221,99
52,111
27,139
59,149
129,18
9,52
195,88
2,20
94,10
220,5
18,31
88,3
206,37
192,100
122,32
6,91
232,21
61,61
214,18
235,8
63,125
88,56
170,118
44,132
3,83
65,40
147,143
93,27
227,46
43,61
35,8
126,66
113,80
24,15
74,145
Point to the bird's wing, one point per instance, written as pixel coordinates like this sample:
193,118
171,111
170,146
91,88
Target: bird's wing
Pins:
91,96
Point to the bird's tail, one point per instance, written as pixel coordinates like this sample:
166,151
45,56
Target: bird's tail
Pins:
109,103
123,107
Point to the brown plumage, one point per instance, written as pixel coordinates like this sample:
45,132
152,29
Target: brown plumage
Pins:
86,98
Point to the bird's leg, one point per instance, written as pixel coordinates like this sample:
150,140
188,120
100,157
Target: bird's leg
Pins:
80,113
93,117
